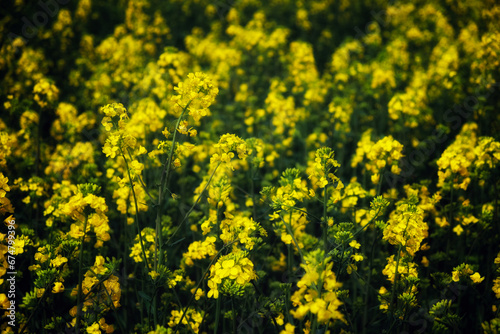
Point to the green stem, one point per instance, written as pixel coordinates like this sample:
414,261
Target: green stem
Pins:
194,204
234,315
141,181
199,283
379,186
136,213
39,303
325,223
155,319
290,263
164,179
396,276
217,314
80,278
372,255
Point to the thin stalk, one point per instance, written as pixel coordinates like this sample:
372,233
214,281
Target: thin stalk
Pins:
120,324
164,178
141,181
379,186
294,241
396,276
194,204
325,223
252,190
40,300
234,315
136,213
217,314
80,274
199,283
314,324
155,318
365,313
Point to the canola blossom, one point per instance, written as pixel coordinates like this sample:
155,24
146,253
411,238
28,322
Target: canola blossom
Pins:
262,167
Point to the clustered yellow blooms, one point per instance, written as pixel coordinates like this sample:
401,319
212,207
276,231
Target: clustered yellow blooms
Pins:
240,231
455,162
191,320
496,282
383,154
405,269
320,174
198,250
102,291
230,272
304,74
405,229
466,155
195,94
225,148
67,158
100,327
118,141
88,209
121,142
149,241
50,257
285,114
468,158
464,270
45,92
493,324
407,106
317,293
69,123
5,204
279,107
290,223
406,226
341,111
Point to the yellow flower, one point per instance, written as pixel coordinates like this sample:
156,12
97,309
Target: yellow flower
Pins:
58,287
357,257
476,278
153,274
94,329
58,261
496,287
289,329
355,244
458,229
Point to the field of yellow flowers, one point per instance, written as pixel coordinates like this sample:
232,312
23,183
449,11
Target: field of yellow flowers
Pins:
245,166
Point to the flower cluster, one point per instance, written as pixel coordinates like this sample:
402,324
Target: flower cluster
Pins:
230,274
324,162
225,148
405,226
317,293
312,169
102,291
89,212
383,154
195,94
